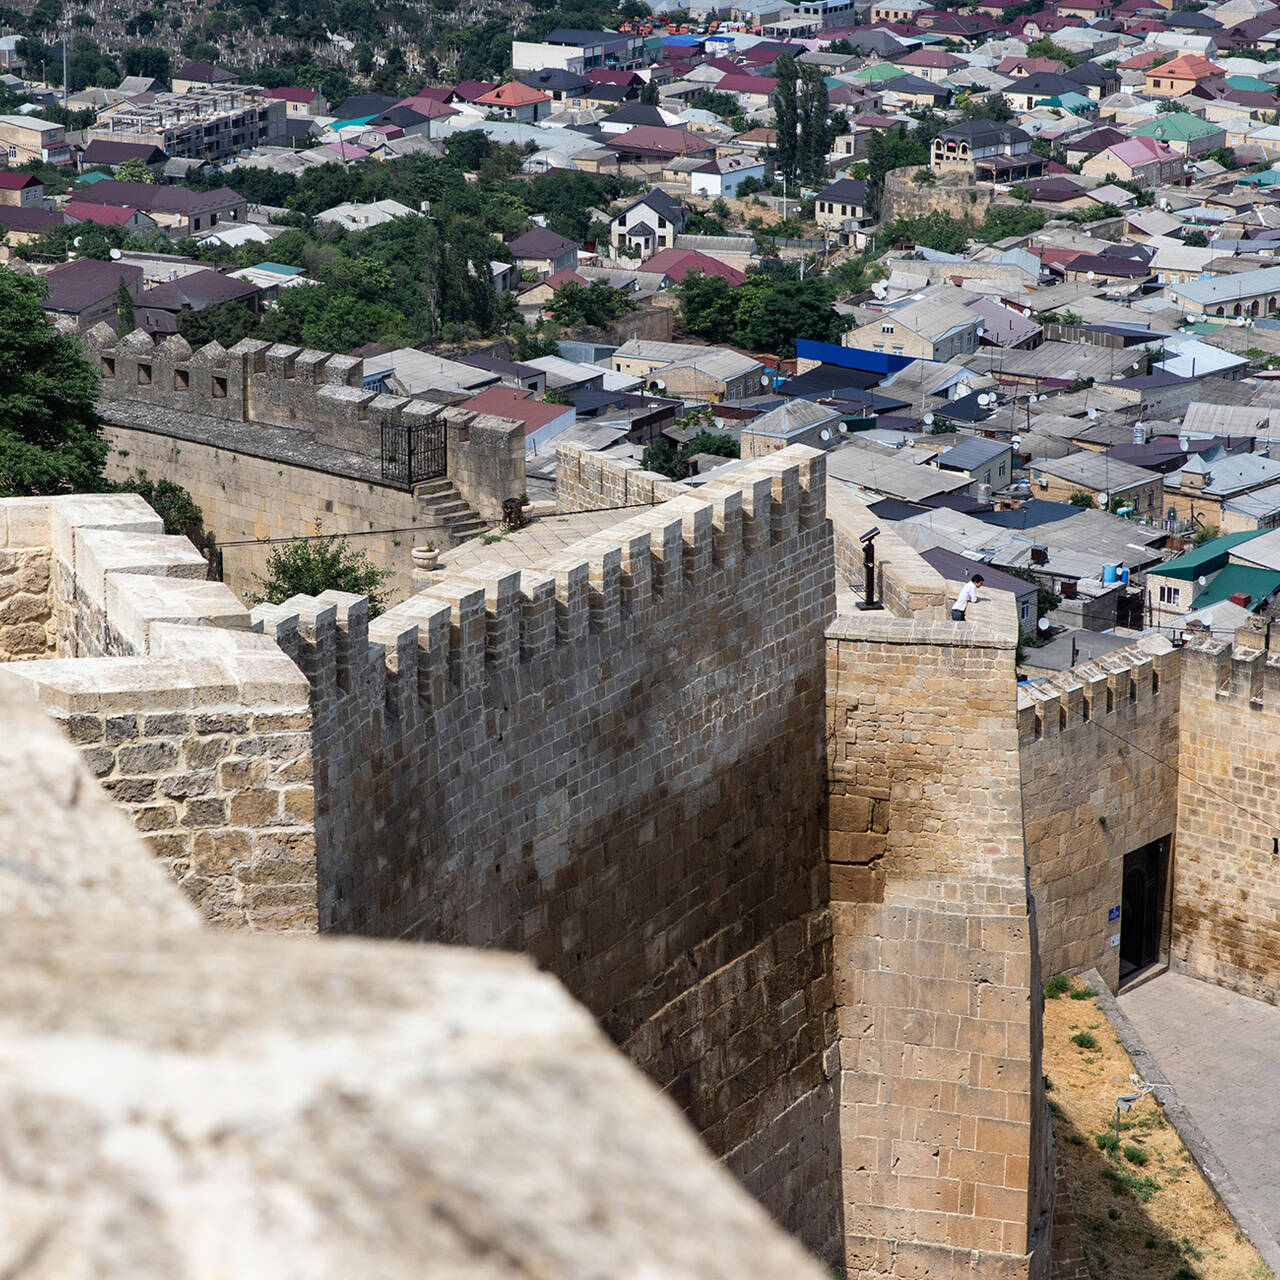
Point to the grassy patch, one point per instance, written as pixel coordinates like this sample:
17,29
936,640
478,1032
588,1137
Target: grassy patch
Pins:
1140,1186
1082,993
1107,1141
1058,986
1084,1040
1136,1155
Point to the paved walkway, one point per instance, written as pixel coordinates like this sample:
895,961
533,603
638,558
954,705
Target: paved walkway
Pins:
1221,1053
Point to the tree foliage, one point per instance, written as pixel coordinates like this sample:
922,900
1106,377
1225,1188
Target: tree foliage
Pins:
672,461
50,440
1004,220
764,313
595,304
890,149
171,502
134,169
124,308
328,563
224,322
786,116
934,230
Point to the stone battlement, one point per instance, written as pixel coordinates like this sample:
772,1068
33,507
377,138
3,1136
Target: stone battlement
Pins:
1102,686
466,628
198,727
1242,673
312,391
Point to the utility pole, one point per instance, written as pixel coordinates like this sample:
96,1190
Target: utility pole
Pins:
65,32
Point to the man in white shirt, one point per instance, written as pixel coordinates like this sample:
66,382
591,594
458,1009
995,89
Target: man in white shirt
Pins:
968,595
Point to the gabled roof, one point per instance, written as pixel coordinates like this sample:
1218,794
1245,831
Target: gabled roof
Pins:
660,202
471,90
675,264
660,141
845,191
518,404
1178,126
512,94
17,181
105,151
1187,66
541,243
197,290
85,282
102,214
155,197
204,73
293,95
737,82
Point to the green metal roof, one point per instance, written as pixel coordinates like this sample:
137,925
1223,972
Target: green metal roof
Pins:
878,71
1176,126
1202,327
1205,559
1252,83
1256,583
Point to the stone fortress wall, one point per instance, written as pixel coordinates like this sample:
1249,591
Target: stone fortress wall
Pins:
943,1141
615,766
196,726
1099,750
1227,900
278,441
792,856
252,1105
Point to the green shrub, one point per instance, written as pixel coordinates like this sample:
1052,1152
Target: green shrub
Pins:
1083,993
1136,1155
1107,1141
1084,1040
1057,986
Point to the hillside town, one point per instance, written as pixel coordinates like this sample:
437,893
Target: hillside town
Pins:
1015,272
765,515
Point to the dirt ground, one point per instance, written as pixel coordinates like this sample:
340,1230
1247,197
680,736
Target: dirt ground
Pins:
1144,1211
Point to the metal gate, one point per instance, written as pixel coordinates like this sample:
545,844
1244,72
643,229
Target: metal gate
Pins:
413,452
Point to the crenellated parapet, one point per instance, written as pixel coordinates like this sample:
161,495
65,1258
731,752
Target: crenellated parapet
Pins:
464,630
198,727
1129,679
1241,672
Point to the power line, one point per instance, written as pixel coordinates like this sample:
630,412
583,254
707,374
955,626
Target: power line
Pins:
1257,817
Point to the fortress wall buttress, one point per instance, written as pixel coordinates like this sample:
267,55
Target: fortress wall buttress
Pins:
944,1134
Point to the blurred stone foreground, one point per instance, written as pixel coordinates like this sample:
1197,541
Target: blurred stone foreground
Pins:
182,1104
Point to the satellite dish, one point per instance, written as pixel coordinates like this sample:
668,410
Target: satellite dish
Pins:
1207,619
116,255
928,419
764,379
78,241
1093,413
1201,580
1101,499
984,398
1089,276
1043,624
659,385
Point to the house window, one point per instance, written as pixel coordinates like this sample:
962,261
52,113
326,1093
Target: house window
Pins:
886,328
1169,595
1002,465
1024,611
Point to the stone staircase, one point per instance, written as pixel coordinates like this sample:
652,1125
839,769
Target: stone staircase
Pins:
443,512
